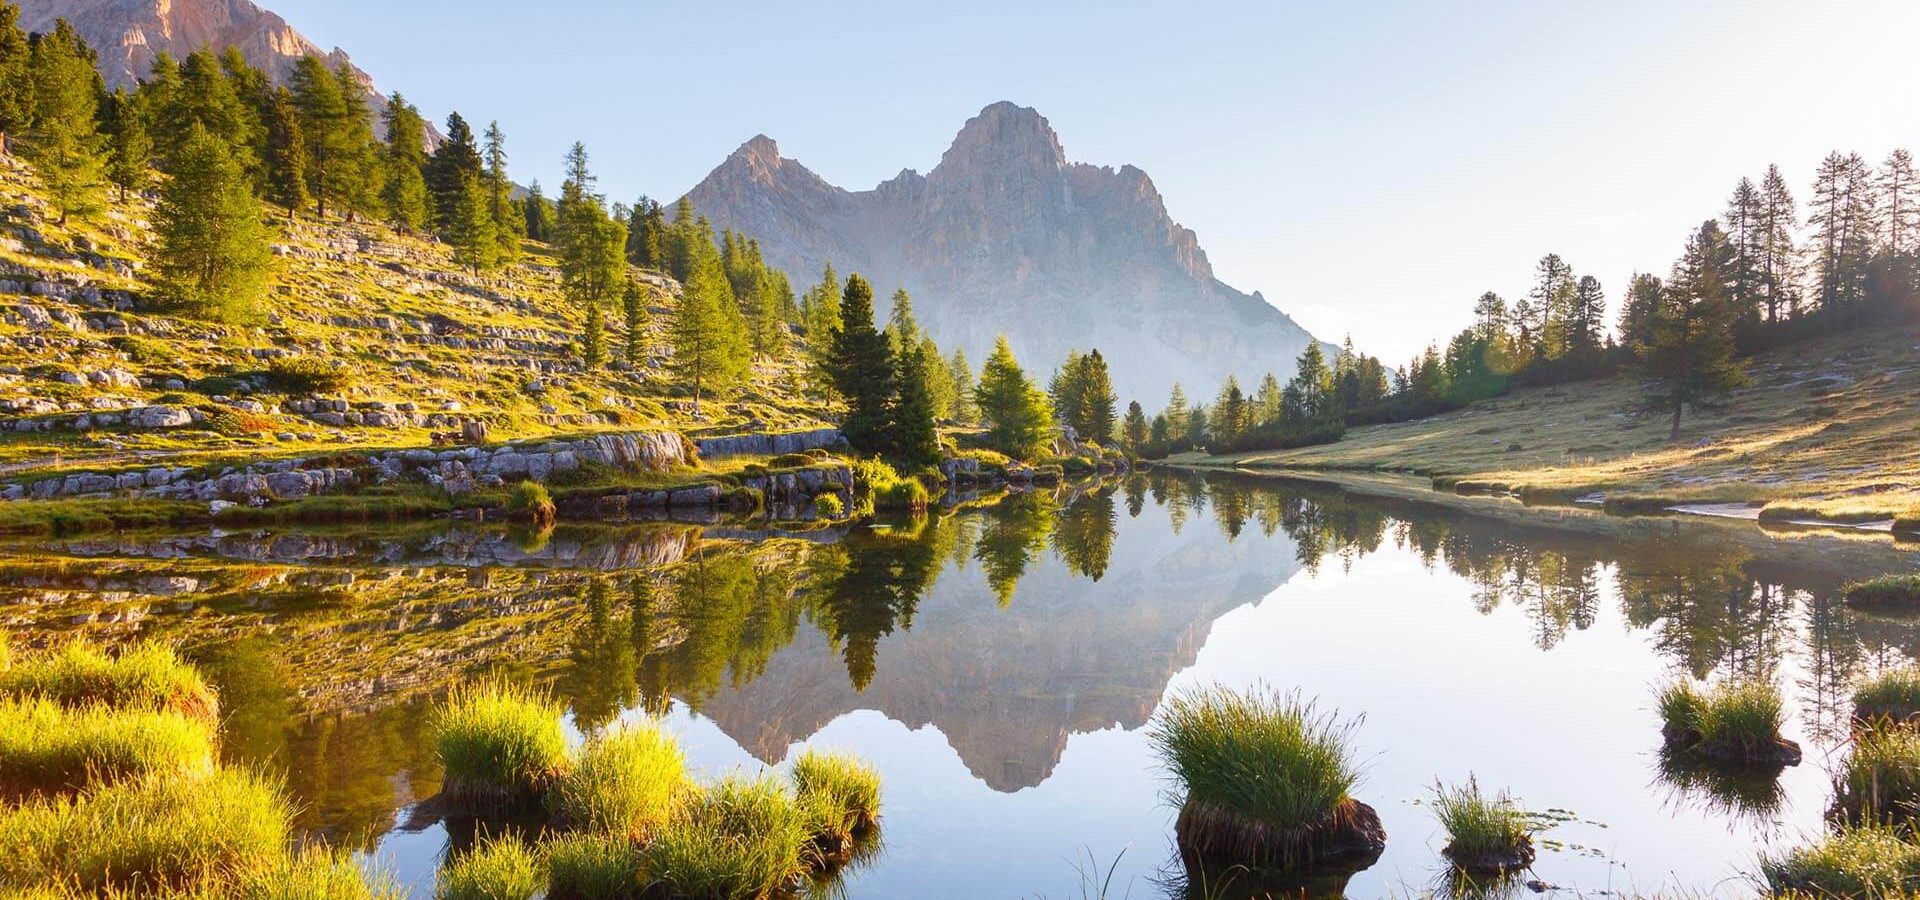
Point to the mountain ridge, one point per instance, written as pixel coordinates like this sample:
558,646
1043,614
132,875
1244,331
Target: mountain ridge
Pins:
1005,233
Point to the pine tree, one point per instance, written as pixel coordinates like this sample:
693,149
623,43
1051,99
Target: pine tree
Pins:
1096,399
1065,389
710,352
1638,311
939,380
821,309
633,304
509,221
1308,394
62,138
645,232
1268,403
325,130
1227,421
915,442
403,160
537,211
1690,358
591,244
1587,316
1134,429
130,148
203,95
212,253
286,162
1899,203
356,169
1840,215
1176,412
863,369
1779,269
1019,419
1744,214
454,161
1490,317
1551,306
593,338
902,329
960,376
16,86
469,229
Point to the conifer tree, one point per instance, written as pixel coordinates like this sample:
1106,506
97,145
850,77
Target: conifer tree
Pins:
212,257
646,229
1550,304
914,441
357,170
1899,203
710,352
960,375
455,160
1840,215
1743,218
16,87
1066,388
821,309
469,228
509,221
1779,269
325,129
1096,399
939,380
1307,395
1586,324
203,95
1638,310
1134,430
863,370
1490,317
537,211
403,160
902,328
1227,421
130,148
593,338
1268,402
1176,412
62,138
1019,419
285,176
633,304
1690,359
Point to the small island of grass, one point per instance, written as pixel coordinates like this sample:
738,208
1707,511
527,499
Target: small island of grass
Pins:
1732,723
1485,834
1888,592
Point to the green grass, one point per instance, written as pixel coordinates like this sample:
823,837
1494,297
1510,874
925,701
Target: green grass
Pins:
841,787
64,517
315,874
144,676
1735,720
157,831
741,838
504,868
1880,781
828,506
499,744
47,748
1270,758
1864,861
1481,828
1887,590
625,781
1891,697
379,506
584,866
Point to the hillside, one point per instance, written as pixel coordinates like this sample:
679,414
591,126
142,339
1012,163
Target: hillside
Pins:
89,373
1006,235
1828,430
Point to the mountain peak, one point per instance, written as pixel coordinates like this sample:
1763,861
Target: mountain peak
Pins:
1004,136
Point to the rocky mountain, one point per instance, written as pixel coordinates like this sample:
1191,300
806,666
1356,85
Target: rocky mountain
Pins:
128,34
1006,235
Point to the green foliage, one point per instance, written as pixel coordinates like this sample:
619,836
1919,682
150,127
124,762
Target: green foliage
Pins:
147,676
1018,416
1901,590
1740,718
530,501
63,517
841,786
911,433
626,781
828,506
286,161
47,748
1690,359
710,348
329,115
1869,861
307,375
739,838
1880,781
633,305
1891,697
62,138
129,147
593,338
499,743
212,256
593,866
468,227
504,868
1480,826
314,873
403,160
1082,395
863,372
1273,759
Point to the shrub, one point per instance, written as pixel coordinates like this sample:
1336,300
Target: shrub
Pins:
148,832
1734,721
145,676
307,375
1880,781
1854,861
499,744
1264,774
528,501
739,838
585,866
1484,833
47,748
501,869
1891,697
1886,590
625,781
828,506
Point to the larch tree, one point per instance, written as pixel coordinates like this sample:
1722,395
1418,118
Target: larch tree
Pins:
1779,257
710,351
633,303
914,441
1134,430
453,162
509,220
285,175
212,255
62,138
468,228
960,376
16,86
129,146
403,160
1899,203
863,370
327,133
593,338
1840,214
1690,359
1019,419
1097,399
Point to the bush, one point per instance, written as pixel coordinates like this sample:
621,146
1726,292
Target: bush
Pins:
143,350
1734,721
145,676
501,869
500,745
739,838
1889,698
47,748
586,866
528,501
828,506
1881,779
307,375
1483,833
1887,590
840,787
1865,861
625,782
143,833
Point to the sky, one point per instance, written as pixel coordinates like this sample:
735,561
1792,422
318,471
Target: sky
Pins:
1371,168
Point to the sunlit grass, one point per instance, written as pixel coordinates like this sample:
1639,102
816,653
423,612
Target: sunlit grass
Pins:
1880,780
1737,719
625,781
499,744
1891,697
741,838
504,868
145,676
1869,861
315,874
845,787
1482,831
48,748
591,866
1901,590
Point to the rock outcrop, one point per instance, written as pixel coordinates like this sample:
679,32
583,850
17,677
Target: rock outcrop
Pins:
1006,235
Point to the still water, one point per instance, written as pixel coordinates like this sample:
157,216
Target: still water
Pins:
998,664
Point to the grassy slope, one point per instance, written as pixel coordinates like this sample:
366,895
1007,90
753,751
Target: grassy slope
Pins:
1829,428
371,308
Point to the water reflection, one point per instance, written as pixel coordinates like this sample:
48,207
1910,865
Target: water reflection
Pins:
1008,633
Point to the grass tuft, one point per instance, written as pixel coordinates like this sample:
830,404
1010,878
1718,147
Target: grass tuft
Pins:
1880,781
739,838
315,874
46,748
1484,833
1855,861
585,866
499,744
1887,591
841,788
145,676
1734,721
625,781
504,868
529,502
1891,697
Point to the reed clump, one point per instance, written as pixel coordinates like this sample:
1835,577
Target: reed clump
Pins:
625,781
500,745
1869,861
46,748
1889,698
1485,833
1735,722
1880,781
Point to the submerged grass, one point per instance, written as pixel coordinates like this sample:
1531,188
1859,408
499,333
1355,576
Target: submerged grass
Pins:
625,781
47,748
1891,697
499,744
505,868
1880,781
1735,720
144,834
1869,861
1484,832
741,838
145,676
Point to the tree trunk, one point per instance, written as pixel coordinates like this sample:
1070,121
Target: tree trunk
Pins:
1674,435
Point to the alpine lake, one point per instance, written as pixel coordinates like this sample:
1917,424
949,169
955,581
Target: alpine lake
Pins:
999,661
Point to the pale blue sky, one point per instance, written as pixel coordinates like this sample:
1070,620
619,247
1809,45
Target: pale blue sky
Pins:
1371,167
